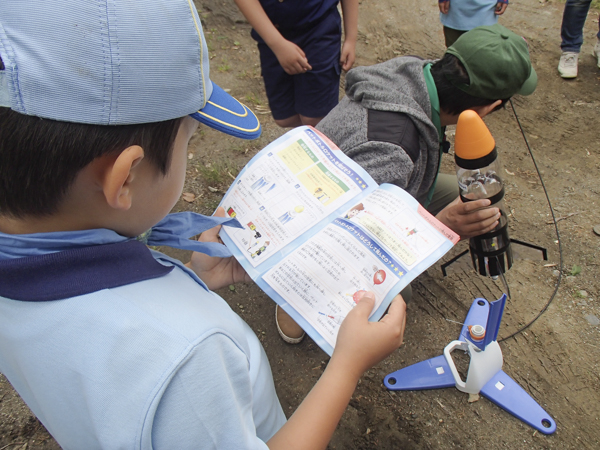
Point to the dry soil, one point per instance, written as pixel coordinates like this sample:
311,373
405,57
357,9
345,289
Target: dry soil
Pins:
556,360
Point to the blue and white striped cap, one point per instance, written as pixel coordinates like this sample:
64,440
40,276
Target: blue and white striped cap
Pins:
113,62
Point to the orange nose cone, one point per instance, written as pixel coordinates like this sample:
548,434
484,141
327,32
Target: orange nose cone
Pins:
472,139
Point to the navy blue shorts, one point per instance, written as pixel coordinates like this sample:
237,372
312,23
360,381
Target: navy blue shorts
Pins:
310,94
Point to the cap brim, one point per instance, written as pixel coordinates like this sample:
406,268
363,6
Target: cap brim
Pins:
530,84
224,113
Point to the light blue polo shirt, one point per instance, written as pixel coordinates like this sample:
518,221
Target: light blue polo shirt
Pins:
467,14
159,363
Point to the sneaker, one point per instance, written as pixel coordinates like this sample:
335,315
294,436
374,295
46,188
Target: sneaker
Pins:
596,51
288,329
567,66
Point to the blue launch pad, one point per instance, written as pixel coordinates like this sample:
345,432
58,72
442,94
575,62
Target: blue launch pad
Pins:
435,373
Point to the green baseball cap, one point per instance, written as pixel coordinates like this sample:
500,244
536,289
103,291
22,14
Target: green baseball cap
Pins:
497,61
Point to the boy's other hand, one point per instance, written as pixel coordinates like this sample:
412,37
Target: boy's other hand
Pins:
291,57
469,219
501,7
214,271
362,344
444,6
348,55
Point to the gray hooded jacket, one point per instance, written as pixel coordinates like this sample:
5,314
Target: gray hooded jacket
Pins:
366,125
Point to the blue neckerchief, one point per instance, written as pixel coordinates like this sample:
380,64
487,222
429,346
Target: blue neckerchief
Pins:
75,263
173,231
176,229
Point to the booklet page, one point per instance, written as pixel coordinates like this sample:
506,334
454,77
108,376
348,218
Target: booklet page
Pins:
318,230
380,244
290,186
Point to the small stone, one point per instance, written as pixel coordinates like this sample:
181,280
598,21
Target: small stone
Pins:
592,319
583,293
597,230
570,279
582,303
556,273
473,398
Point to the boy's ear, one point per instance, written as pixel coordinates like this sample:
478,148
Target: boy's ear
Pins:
119,176
485,110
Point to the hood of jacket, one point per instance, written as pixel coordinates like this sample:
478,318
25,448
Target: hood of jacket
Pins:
395,85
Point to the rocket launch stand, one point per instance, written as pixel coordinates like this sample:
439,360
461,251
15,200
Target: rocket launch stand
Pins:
478,338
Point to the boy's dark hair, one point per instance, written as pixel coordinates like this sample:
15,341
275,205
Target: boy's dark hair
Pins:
452,99
40,158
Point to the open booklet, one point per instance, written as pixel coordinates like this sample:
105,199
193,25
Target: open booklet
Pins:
318,230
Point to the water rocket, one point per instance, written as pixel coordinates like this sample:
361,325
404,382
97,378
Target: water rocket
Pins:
478,172
479,177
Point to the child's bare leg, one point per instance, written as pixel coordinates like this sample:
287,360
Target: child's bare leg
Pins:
310,120
290,122
297,120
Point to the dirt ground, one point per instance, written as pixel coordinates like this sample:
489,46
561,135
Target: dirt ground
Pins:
556,360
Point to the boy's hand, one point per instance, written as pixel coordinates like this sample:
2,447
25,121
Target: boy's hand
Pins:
469,219
501,7
291,57
362,344
444,6
216,272
348,55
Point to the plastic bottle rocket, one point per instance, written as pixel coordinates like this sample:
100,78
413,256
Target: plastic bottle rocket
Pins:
477,169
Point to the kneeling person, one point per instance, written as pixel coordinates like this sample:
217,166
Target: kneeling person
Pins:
392,120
